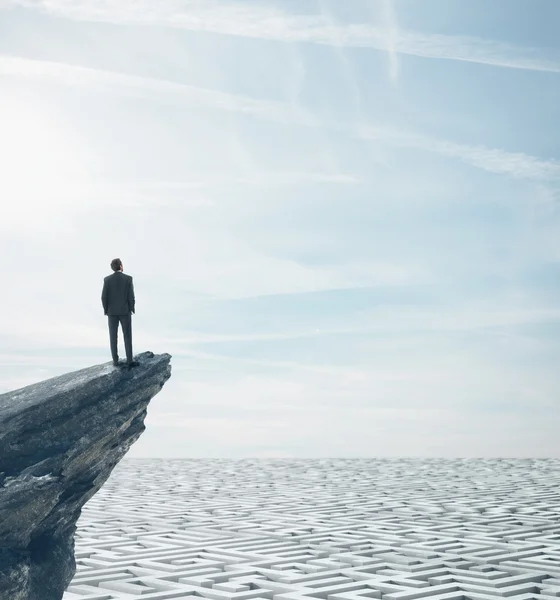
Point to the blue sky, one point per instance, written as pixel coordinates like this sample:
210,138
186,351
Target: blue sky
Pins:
342,218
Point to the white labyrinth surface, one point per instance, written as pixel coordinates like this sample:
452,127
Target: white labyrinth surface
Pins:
331,529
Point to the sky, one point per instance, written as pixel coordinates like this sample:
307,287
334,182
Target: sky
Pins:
342,218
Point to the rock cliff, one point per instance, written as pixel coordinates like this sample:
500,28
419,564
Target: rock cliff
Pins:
59,441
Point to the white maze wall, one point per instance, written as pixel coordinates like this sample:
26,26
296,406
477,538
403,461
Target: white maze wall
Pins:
332,529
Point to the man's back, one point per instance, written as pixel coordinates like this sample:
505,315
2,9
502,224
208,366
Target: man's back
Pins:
118,294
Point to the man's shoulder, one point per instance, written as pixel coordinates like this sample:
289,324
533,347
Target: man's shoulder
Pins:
117,274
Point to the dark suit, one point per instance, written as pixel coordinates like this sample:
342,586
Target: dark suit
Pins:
118,302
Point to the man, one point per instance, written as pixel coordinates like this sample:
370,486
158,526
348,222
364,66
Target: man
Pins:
118,302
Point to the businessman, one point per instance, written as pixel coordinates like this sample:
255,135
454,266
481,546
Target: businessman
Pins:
118,302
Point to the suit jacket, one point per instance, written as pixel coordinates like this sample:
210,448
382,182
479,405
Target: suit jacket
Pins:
118,294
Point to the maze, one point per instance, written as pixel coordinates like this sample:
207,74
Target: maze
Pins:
331,529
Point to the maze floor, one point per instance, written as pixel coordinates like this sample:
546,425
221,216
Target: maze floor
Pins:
331,529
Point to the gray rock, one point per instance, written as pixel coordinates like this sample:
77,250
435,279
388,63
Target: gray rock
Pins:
59,441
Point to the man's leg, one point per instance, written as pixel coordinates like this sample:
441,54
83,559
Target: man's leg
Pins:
113,327
126,324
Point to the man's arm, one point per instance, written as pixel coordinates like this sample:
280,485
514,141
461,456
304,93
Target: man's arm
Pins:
131,298
105,297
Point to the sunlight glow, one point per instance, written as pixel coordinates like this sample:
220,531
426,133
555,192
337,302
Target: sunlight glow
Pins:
41,169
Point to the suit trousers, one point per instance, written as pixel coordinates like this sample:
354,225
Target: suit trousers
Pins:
126,325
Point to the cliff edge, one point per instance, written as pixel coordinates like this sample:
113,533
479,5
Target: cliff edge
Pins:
59,441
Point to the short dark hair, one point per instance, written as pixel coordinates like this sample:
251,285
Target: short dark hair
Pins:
116,264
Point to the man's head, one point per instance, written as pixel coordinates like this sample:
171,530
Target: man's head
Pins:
116,264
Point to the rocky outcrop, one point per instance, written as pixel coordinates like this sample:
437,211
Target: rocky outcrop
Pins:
59,441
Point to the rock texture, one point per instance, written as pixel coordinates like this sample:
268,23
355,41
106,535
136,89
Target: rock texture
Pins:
59,441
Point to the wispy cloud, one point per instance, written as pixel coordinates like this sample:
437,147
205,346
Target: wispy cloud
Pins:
399,320
494,160
217,180
249,20
137,193
113,82
390,15
340,50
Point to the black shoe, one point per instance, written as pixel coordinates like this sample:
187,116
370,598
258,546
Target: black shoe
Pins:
116,363
133,363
